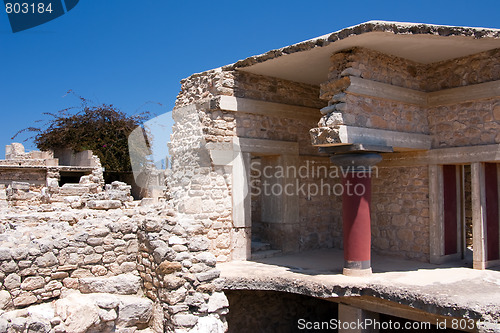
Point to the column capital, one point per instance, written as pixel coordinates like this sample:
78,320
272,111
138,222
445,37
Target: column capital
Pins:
356,162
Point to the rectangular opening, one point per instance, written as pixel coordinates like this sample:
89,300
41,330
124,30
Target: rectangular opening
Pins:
492,214
450,208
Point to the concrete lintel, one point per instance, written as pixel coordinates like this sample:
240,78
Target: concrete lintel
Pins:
268,147
453,155
457,95
376,137
375,89
358,147
253,106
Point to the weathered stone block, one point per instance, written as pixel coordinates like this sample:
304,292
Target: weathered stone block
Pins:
24,299
123,284
168,267
12,281
104,204
47,260
33,282
172,282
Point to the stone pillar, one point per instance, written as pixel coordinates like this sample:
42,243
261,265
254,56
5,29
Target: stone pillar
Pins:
355,320
356,197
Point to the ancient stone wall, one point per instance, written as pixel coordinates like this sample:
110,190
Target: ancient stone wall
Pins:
465,124
200,191
320,213
200,87
372,65
476,122
376,66
400,212
346,108
179,275
198,185
43,251
37,177
52,253
477,68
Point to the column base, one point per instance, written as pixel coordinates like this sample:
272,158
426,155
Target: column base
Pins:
357,272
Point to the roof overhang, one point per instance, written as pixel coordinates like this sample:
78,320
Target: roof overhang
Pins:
308,61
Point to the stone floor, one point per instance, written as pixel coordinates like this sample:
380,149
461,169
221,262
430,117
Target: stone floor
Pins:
448,290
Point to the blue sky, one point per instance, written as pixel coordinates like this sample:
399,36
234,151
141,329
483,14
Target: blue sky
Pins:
129,53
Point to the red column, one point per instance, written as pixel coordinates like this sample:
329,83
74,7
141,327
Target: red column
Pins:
356,197
356,223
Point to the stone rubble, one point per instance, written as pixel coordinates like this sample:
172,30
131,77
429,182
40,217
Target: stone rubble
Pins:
96,261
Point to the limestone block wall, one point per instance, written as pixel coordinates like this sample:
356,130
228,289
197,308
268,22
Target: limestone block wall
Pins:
200,192
45,251
400,212
477,68
347,108
200,87
376,66
179,275
477,121
320,212
465,124
269,89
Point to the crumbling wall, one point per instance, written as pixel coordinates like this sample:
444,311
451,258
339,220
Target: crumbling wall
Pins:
43,252
220,82
200,192
83,260
179,275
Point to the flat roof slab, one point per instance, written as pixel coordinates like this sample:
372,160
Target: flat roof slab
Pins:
308,61
439,289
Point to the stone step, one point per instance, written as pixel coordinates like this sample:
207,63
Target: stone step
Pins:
265,254
260,246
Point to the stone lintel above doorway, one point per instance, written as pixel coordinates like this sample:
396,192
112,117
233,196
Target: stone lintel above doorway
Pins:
344,134
355,148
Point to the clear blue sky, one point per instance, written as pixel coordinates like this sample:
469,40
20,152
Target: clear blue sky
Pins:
127,53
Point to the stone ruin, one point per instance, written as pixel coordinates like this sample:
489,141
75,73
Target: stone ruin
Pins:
86,257
420,101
